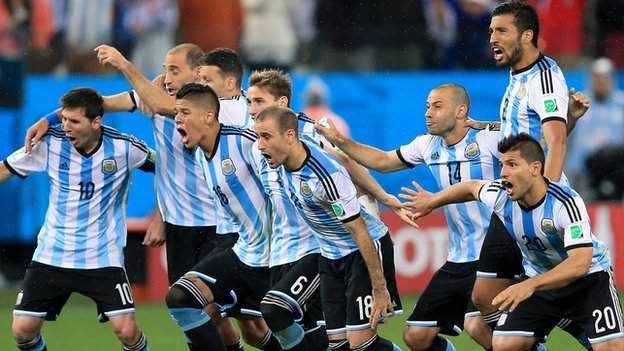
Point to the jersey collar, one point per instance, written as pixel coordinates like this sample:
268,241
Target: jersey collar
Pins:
215,146
97,147
513,73
305,161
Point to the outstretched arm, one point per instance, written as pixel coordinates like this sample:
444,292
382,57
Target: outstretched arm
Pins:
423,202
153,96
366,155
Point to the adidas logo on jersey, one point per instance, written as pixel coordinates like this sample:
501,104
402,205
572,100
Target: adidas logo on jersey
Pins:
64,166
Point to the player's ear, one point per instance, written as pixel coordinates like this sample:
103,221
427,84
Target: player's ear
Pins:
527,36
96,123
282,101
230,82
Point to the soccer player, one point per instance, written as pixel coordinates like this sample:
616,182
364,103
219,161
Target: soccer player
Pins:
237,279
568,271
80,246
454,152
535,102
356,266
184,199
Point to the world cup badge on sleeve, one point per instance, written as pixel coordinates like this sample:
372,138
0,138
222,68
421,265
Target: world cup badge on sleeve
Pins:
227,167
109,166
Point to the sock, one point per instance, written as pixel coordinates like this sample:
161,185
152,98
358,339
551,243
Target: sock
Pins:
492,318
290,337
269,343
140,345
316,339
36,344
339,345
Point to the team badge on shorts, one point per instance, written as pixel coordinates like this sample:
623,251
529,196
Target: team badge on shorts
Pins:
472,151
548,226
109,166
305,189
227,167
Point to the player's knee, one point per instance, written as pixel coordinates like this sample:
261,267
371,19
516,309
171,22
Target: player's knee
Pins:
475,326
183,293
419,338
25,329
127,331
511,343
278,313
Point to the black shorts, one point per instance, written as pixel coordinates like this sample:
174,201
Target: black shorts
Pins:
237,287
346,290
46,289
186,246
299,283
591,301
500,255
446,301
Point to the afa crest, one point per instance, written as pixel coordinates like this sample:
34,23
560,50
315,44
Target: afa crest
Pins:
109,166
521,91
472,151
548,226
227,167
306,191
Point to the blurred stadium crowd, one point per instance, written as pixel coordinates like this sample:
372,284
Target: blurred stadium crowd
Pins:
354,35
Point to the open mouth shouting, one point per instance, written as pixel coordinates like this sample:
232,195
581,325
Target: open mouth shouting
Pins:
508,187
498,53
183,134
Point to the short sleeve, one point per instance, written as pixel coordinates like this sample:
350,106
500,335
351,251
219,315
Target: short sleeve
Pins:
22,164
413,153
340,193
492,194
549,95
140,155
573,219
491,136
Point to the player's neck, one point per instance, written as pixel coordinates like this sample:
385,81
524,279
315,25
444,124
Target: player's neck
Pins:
297,157
231,93
535,194
455,136
92,143
209,141
530,55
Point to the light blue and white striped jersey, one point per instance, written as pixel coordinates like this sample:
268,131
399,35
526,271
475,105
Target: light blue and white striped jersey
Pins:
472,158
534,95
234,112
183,195
325,197
291,236
545,232
85,224
233,173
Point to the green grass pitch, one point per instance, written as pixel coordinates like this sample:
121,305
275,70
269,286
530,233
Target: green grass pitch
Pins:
77,328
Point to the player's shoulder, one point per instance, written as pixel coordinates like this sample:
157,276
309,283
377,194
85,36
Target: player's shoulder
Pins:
303,118
245,133
567,200
56,132
112,133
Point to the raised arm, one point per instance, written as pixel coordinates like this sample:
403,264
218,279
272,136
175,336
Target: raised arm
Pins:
382,304
152,95
4,172
366,155
555,134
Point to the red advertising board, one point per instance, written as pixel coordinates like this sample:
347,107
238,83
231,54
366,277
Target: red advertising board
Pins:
418,253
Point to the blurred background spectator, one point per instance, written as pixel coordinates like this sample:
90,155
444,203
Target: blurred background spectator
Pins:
211,24
316,100
268,39
593,145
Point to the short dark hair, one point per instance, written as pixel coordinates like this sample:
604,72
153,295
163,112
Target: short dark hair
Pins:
193,53
529,148
286,118
202,94
525,16
86,98
460,95
275,81
227,60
